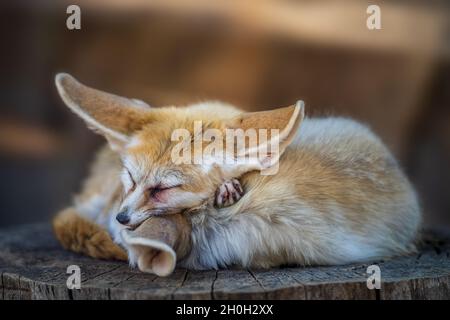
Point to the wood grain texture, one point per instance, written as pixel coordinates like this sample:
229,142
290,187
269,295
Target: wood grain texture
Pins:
33,266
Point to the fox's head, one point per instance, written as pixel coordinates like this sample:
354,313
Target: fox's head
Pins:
150,140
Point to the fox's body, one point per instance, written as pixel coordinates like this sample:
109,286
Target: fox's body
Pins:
338,197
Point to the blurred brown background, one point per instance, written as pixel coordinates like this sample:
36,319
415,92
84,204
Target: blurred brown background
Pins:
256,54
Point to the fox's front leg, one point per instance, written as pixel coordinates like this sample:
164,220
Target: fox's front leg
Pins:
228,193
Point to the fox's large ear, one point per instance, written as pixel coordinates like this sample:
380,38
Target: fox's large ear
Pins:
114,117
156,244
274,129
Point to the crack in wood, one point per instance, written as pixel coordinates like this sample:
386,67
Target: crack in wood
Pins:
184,278
100,274
124,280
185,275
212,285
257,281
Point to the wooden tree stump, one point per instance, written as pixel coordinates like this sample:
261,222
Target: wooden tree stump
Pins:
34,266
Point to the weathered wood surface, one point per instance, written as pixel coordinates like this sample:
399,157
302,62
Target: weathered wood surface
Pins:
33,266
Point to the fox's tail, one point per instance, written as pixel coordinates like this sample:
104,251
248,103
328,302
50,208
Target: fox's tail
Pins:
83,236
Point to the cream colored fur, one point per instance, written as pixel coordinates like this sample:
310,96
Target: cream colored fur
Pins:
339,195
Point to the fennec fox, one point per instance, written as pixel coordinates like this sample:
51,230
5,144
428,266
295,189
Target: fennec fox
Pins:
338,196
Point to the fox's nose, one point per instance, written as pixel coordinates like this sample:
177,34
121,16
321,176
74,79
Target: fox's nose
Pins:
123,217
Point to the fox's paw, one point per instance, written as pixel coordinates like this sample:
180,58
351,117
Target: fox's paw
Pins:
228,193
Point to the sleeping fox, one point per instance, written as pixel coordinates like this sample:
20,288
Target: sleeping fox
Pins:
338,195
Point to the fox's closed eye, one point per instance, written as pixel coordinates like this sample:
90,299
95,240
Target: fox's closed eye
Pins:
156,190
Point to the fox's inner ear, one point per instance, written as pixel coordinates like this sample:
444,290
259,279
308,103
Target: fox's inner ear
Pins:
274,129
113,116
